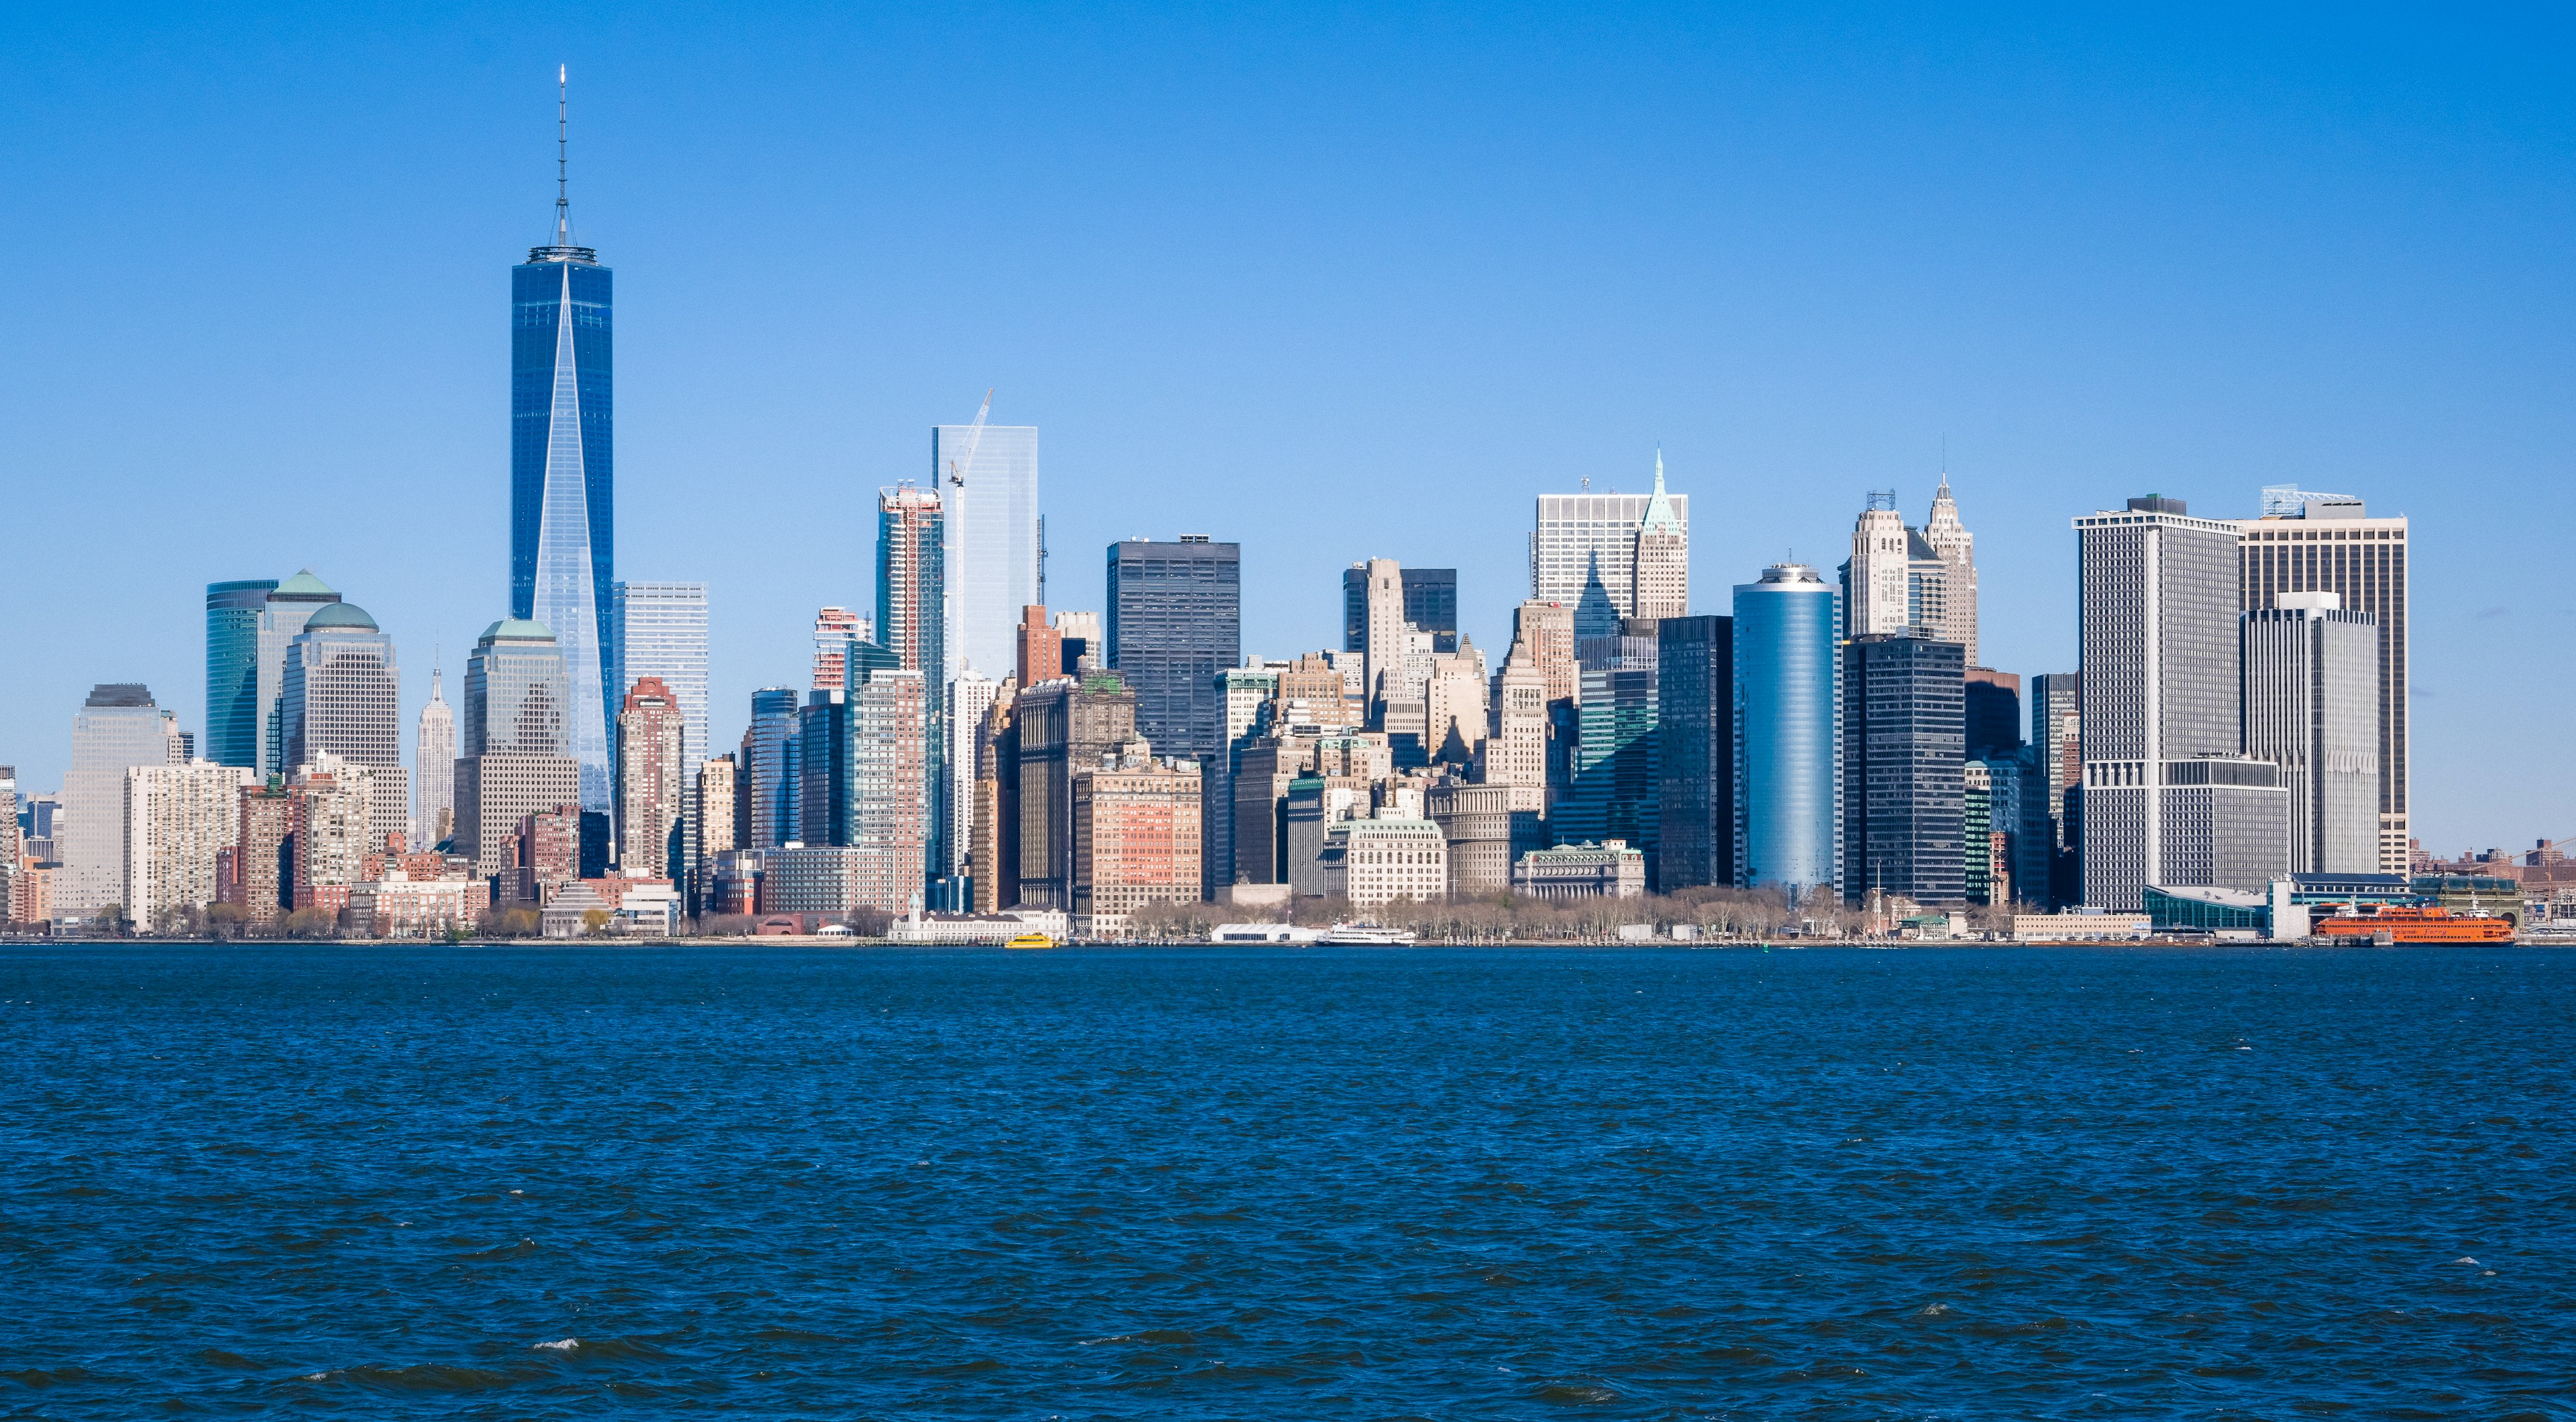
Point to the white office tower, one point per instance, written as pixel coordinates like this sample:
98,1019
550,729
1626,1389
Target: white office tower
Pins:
2311,542
661,631
117,729
988,491
1876,579
177,818
433,777
1584,553
2312,708
1912,582
970,697
2170,798
1382,624
1954,548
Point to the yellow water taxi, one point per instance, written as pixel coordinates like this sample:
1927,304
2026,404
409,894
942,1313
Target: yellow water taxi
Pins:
1030,940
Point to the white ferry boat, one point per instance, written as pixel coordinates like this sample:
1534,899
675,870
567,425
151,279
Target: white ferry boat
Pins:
1365,935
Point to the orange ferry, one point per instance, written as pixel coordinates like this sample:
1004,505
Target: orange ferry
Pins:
2405,923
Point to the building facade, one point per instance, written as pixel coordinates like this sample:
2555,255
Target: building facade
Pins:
1695,753
1062,727
652,782
516,757
1788,776
116,729
2312,708
1175,621
912,623
768,776
1476,824
1609,870
433,785
178,820
990,553
2310,542
293,602
1904,748
1374,861
660,630
1136,839
343,694
233,710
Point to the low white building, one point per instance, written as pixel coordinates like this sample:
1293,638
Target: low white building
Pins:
2061,927
1379,861
397,906
966,928
1608,870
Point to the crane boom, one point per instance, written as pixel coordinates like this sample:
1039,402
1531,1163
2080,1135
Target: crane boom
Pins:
974,436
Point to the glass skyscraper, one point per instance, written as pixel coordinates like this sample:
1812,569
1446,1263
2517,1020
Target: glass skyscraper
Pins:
1175,621
1695,752
1786,751
562,493
233,612
660,630
990,542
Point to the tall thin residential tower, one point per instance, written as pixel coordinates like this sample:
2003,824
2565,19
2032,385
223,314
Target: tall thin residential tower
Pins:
562,493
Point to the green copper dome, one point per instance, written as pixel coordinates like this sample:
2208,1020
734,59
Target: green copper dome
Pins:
304,587
340,614
517,629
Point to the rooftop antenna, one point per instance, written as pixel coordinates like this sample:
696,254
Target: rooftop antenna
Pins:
563,137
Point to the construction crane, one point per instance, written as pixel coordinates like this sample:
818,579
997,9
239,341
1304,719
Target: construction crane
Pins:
974,436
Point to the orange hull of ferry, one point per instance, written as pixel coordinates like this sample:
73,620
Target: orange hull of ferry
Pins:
2400,923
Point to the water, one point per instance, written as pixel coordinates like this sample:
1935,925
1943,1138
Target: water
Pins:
532,1183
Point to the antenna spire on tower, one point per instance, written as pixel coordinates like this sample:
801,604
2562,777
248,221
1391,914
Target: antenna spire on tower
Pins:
563,138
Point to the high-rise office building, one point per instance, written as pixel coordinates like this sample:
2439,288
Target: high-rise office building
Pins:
233,710
1062,726
261,877
714,817
116,729
178,819
1379,599
995,868
912,623
1955,620
1787,746
769,770
969,697
1040,647
1695,753
1373,620
343,694
434,769
2056,722
990,540
1136,838
1248,693
2311,542
1904,743
2169,798
563,504
1175,621
835,628
1662,586
891,784
1912,582
660,630
1993,713
1613,789
1584,554
333,804
280,623
652,782
2312,708
1431,605
517,757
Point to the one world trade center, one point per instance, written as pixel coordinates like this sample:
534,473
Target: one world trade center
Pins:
562,492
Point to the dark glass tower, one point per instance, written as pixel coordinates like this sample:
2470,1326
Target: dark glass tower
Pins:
1904,802
232,669
1175,621
1695,753
562,488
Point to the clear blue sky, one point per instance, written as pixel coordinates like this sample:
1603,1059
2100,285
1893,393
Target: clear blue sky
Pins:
1335,281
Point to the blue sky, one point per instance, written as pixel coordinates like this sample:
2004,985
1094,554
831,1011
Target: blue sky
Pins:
1333,281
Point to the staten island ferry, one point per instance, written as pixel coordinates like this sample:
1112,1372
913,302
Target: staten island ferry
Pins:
2407,923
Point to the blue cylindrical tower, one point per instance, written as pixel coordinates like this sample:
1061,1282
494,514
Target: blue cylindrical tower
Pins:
1786,750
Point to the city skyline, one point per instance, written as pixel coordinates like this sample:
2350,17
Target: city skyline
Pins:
2015,476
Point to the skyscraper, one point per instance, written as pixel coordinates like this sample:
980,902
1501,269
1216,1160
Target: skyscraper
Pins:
177,819
1993,713
1912,582
434,769
233,710
343,694
2311,542
516,759
769,770
1787,750
652,782
912,623
661,632
1695,753
1613,788
1063,726
2056,721
1175,616
1663,559
1584,553
2169,797
563,502
969,697
1956,549
990,540
2312,708
1904,742
117,728
1373,620
293,601
835,628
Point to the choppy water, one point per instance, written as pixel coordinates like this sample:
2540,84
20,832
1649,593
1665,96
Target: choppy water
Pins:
530,1183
